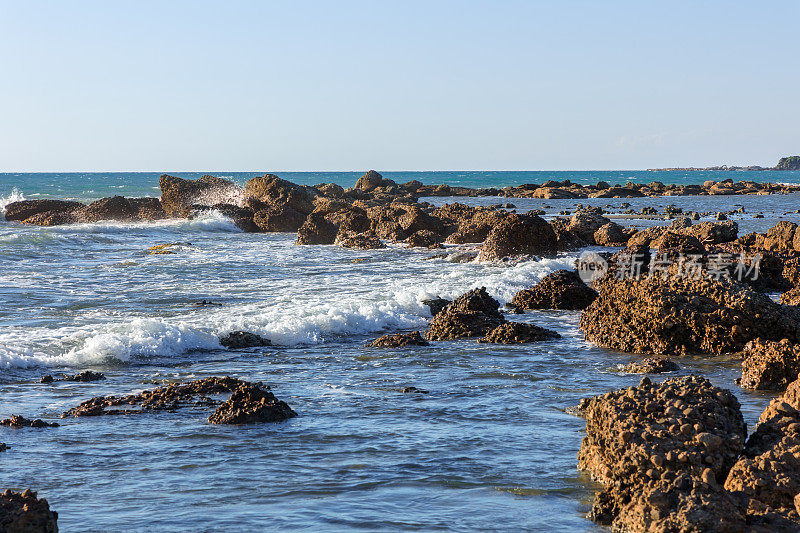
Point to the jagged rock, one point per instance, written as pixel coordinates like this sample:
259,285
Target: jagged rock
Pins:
25,513
177,195
361,241
331,190
645,236
251,403
114,208
677,243
424,239
566,240
317,230
473,314
274,218
662,450
415,220
436,305
562,289
650,365
770,365
369,181
519,235
51,218
518,333
399,340
18,421
147,208
710,233
585,223
272,190
610,234
24,209
680,315
237,340
781,237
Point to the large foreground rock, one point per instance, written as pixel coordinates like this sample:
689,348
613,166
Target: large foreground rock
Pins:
519,235
270,190
562,289
25,513
662,451
680,315
473,314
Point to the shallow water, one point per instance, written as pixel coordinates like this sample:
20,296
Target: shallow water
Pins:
490,447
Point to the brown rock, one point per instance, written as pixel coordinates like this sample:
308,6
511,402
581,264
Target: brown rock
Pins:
237,340
650,365
272,190
275,218
360,241
770,365
399,340
25,513
610,234
562,289
19,211
473,314
18,421
317,230
519,235
177,195
251,403
518,333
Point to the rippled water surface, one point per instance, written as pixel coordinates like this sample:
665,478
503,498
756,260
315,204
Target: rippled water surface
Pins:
490,447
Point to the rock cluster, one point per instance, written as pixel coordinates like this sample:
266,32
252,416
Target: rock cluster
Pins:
770,365
251,403
562,289
26,513
680,315
399,340
18,421
473,314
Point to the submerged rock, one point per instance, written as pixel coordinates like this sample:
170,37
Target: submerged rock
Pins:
650,365
399,340
25,513
518,333
18,421
473,314
85,376
770,365
237,340
251,403
413,390
562,289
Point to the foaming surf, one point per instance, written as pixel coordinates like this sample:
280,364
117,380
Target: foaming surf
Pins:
14,196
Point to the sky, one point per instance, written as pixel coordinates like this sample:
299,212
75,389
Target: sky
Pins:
396,85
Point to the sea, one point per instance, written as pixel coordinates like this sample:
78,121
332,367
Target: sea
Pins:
491,446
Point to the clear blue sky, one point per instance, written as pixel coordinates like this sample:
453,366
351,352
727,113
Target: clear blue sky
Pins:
406,85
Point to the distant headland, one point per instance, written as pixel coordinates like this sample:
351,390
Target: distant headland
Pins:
791,162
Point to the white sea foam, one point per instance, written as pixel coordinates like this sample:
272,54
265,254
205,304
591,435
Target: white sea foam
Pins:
299,317
14,196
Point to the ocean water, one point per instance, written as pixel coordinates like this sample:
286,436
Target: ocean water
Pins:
490,447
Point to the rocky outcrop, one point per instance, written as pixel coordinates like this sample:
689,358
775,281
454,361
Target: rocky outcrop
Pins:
178,195
770,365
271,190
680,315
586,222
25,209
360,241
26,513
18,421
518,333
317,230
473,314
566,240
650,365
675,244
424,239
662,452
611,234
197,392
791,162
251,403
237,340
278,218
116,208
369,181
398,340
519,235
562,289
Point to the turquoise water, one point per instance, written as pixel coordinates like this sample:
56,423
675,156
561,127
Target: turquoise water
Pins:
490,447
91,186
